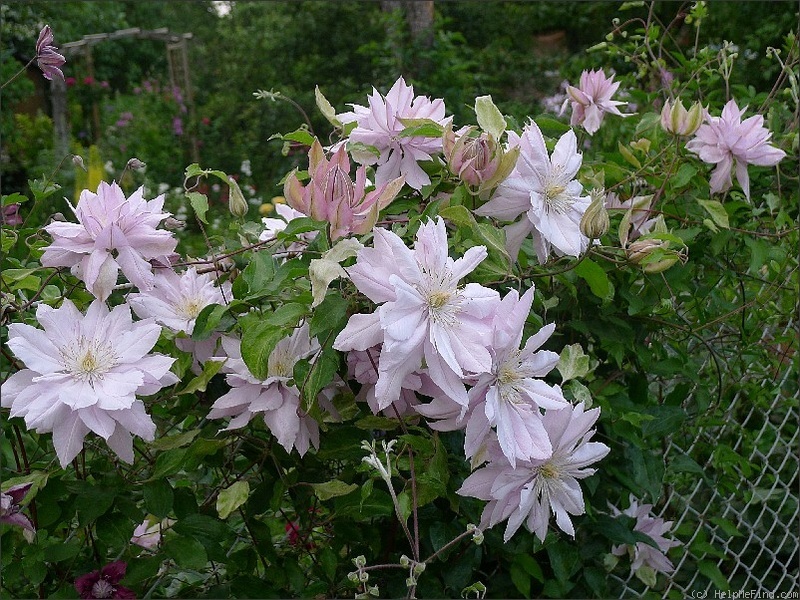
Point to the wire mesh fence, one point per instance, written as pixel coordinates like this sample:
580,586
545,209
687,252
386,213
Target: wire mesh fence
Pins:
732,486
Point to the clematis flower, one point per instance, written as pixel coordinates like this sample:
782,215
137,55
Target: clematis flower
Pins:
83,374
175,302
510,396
148,533
730,143
333,197
591,100
47,56
645,555
11,509
273,398
112,233
424,314
380,124
675,119
10,215
545,189
104,583
529,493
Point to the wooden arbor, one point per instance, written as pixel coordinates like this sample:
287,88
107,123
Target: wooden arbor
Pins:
179,76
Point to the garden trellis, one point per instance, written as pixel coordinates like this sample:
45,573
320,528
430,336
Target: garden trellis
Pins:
177,48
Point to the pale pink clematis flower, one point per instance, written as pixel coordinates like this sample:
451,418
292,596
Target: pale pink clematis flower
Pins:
11,507
510,396
83,374
273,398
112,233
730,143
536,488
645,555
591,100
379,125
47,56
424,314
148,533
332,196
363,367
545,189
175,302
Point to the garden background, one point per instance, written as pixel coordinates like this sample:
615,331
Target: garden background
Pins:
699,386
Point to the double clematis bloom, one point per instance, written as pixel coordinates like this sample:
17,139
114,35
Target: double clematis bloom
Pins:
273,398
545,189
510,396
380,125
730,143
47,56
175,302
424,314
529,493
645,555
333,197
112,233
83,374
591,100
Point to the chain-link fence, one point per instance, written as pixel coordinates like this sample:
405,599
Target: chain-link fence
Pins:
733,493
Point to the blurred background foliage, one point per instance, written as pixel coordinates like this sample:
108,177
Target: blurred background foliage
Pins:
519,52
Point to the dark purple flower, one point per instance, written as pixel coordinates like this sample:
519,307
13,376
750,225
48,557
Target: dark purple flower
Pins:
104,583
47,57
10,215
10,506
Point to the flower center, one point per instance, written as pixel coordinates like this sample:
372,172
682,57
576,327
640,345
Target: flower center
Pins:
89,360
555,198
189,308
280,364
102,589
438,299
477,149
549,470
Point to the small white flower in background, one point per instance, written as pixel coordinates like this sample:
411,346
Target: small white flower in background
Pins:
644,555
83,374
245,168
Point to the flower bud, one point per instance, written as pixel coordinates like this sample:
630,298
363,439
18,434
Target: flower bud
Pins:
363,576
677,120
135,164
360,561
418,569
353,576
594,222
77,160
640,249
404,561
172,223
236,202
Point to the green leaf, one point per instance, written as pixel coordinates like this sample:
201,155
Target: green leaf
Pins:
361,149
141,569
421,128
199,383
530,565
596,277
207,321
573,363
258,273
711,570
326,108
8,239
258,342
114,529
490,119
683,176
718,213
199,203
301,136
62,551
459,215
37,479
42,188
333,489
187,552
495,240
319,375
168,463
175,441
330,315
206,530
15,198
232,498
158,497
521,580
551,127
628,155
194,170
